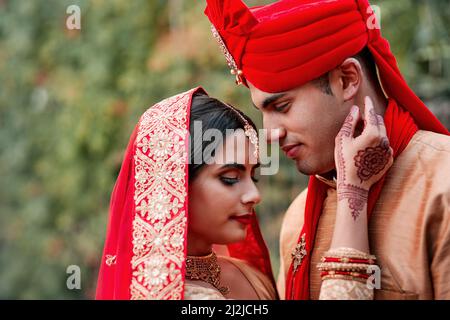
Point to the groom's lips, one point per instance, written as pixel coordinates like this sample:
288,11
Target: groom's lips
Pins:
291,150
244,218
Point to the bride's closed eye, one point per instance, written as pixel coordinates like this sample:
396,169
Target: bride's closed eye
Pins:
229,181
235,173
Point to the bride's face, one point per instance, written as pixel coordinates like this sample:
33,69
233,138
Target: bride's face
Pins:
223,194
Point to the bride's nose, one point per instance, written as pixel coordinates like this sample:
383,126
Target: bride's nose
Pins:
251,195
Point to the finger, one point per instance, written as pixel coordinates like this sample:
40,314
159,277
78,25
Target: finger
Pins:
370,116
382,126
348,128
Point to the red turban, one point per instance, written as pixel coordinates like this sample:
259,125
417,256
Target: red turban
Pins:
281,46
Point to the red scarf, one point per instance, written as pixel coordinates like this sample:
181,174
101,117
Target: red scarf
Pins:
400,130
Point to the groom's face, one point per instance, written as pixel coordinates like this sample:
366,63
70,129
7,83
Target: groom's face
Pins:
305,121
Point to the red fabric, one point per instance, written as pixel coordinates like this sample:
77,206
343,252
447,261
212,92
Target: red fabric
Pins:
400,128
235,26
113,283
253,250
117,275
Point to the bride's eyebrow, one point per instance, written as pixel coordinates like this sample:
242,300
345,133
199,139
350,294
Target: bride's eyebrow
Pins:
238,166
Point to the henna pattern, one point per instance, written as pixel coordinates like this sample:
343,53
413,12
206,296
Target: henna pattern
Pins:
346,131
368,162
357,197
373,117
380,120
372,161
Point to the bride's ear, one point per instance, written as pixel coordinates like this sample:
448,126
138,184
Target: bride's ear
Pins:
347,78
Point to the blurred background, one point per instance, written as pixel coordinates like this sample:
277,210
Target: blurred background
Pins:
69,100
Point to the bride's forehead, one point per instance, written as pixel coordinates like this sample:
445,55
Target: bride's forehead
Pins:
235,148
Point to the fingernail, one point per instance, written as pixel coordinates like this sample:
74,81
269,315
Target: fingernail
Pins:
354,109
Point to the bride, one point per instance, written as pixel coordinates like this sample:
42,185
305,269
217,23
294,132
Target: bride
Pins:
167,209
184,228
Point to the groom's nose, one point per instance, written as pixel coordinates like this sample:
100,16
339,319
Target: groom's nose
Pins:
274,134
274,130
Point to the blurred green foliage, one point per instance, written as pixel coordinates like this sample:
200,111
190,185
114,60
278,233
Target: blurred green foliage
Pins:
70,98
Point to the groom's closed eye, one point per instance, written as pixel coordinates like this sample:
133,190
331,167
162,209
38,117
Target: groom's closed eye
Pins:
270,100
282,107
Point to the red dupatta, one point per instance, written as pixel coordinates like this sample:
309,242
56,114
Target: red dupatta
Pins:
145,247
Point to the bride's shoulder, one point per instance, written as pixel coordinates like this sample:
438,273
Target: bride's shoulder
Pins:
196,291
244,281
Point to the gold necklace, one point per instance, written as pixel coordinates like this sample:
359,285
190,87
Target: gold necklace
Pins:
205,269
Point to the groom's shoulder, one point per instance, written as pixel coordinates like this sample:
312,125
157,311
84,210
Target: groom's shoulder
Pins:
431,141
428,153
299,201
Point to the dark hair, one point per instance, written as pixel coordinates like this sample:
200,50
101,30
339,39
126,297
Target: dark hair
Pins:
213,114
368,64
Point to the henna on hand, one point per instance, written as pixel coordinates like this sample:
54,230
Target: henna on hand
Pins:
372,161
373,117
346,131
357,198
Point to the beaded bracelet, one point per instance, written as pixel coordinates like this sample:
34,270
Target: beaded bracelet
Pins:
348,253
329,266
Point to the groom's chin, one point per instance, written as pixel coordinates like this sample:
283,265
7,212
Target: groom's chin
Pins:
309,168
305,168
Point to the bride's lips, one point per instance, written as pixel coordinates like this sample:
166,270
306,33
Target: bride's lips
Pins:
243,218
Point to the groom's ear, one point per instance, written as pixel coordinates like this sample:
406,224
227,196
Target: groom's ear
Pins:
346,79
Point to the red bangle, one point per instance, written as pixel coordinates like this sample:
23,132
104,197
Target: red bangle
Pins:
348,260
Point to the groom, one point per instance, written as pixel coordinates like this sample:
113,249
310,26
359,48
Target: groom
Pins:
306,64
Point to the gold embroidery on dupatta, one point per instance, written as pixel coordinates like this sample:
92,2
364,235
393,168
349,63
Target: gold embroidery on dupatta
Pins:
160,219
